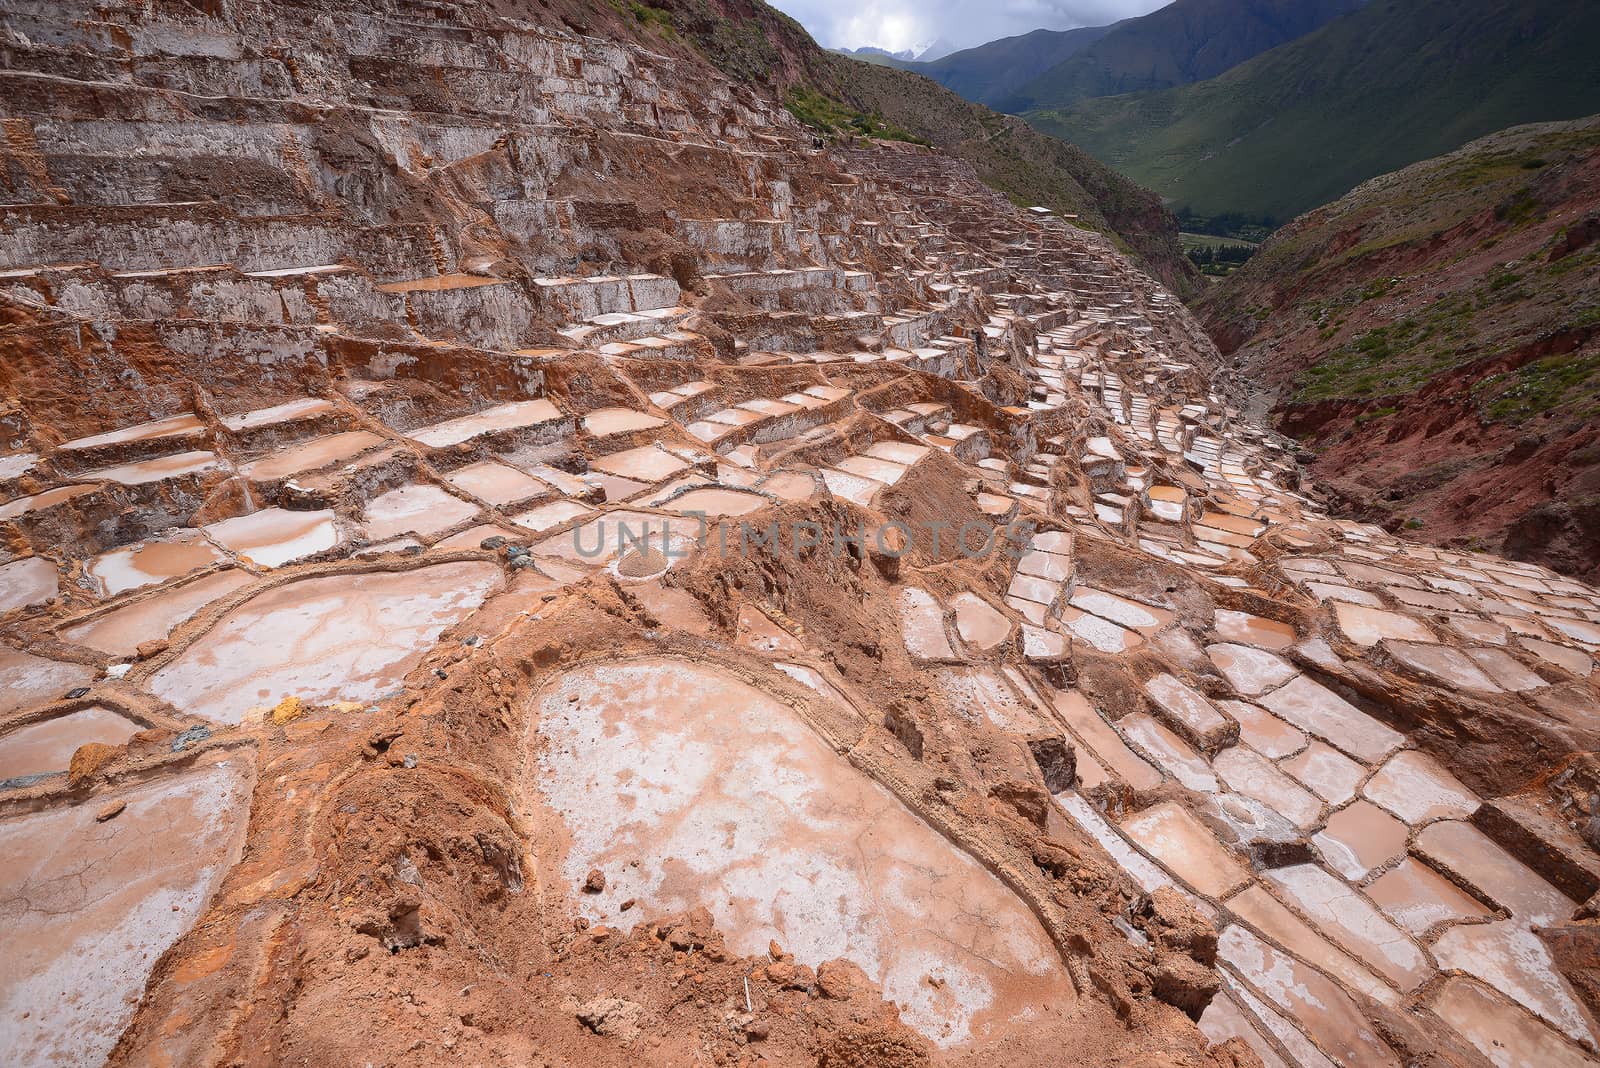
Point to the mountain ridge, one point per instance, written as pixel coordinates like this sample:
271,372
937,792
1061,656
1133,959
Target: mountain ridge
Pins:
1185,41
1434,337
1390,83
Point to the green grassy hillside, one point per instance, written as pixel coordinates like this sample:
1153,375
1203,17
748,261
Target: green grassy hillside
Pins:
1184,42
992,73
1434,337
1387,85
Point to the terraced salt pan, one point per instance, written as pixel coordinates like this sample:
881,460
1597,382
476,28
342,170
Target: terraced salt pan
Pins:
89,907
1250,671
725,799
38,502
1369,626
1330,774
517,415
311,456
922,625
717,501
417,508
273,537
851,487
185,425
32,581
978,622
120,631
347,637
27,680
615,534
1417,897
791,485
1319,710
1305,996
1508,1037
1169,751
1253,630
288,412
17,464
1511,958
551,514
496,483
1416,788
40,748
1191,852
1360,838
1264,732
1348,919
756,630
645,464
144,472
980,695
879,470
603,422
150,562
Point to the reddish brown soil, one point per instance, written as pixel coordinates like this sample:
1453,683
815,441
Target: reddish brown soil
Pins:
1451,455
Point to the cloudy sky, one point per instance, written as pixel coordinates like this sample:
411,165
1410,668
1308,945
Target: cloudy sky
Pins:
901,24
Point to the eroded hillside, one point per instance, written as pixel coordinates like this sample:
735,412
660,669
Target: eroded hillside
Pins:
1434,339
514,553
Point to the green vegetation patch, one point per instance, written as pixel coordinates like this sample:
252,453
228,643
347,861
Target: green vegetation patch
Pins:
1383,362
827,115
1570,381
654,18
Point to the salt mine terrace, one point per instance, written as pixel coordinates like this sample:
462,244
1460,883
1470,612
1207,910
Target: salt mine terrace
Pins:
309,508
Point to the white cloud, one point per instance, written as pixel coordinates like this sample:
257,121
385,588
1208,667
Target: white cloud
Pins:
902,24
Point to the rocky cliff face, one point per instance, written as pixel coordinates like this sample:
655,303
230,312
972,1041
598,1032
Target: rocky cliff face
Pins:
1434,339
760,46
512,552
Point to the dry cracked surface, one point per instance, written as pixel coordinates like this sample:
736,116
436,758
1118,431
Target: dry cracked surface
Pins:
512,553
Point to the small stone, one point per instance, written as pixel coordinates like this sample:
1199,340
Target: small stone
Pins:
594,882
110,812
190,737
628,904
611,1016
494,541
288,710
88,759
152,648
74,694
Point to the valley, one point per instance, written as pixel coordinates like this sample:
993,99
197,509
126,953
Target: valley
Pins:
571,534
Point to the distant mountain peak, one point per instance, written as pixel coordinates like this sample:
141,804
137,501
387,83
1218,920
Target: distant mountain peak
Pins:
905,55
